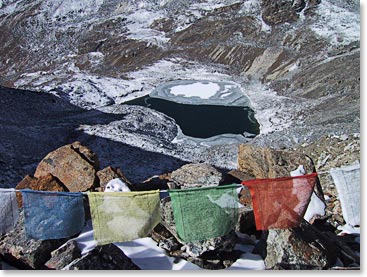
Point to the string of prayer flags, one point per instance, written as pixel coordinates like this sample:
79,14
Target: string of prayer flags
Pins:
347,180
205,212
280,203
9,212
52,215
123,216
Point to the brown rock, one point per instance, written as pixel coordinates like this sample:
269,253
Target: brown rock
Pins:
245,197
47,182
271,163
73,164
109,173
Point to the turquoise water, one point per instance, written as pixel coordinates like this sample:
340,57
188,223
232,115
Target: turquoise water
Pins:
204,121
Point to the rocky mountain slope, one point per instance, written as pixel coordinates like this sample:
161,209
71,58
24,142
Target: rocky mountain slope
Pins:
296,60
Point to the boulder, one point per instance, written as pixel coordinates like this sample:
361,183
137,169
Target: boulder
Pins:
23,253
196,175
64,255
109,173
106,257
271,163
46,182
217,253
74,165
304,247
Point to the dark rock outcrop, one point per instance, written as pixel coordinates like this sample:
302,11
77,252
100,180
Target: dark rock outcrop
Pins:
74,165
106,257
63,256
24,253
277,12
299,248
306,247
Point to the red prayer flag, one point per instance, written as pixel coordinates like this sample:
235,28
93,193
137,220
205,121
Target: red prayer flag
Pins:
280,203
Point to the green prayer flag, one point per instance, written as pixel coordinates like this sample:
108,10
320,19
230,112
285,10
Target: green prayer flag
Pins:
205,212
123,216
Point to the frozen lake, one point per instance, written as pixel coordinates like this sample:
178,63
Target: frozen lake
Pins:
204,109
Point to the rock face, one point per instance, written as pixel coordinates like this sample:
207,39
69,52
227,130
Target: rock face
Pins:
25,253
109,173
265,163
276,12
74,165
196,175
46,182
303,247
63,256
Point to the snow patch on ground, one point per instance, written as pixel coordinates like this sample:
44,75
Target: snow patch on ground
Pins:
337,24
139,27
92,92
146,254
68,9
273,112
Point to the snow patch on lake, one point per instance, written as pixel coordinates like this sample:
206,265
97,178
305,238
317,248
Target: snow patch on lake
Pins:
201,92
198,89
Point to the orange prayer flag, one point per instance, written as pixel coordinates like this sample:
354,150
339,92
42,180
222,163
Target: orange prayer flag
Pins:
280,203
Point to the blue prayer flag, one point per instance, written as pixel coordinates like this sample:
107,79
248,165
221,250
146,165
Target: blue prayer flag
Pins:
9,211
52,215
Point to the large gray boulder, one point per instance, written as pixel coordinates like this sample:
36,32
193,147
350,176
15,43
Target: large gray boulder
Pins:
196,175
295,249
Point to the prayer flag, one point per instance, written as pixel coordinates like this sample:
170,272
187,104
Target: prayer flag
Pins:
348,184
9,211
205,212
123,216
280,203
52,215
